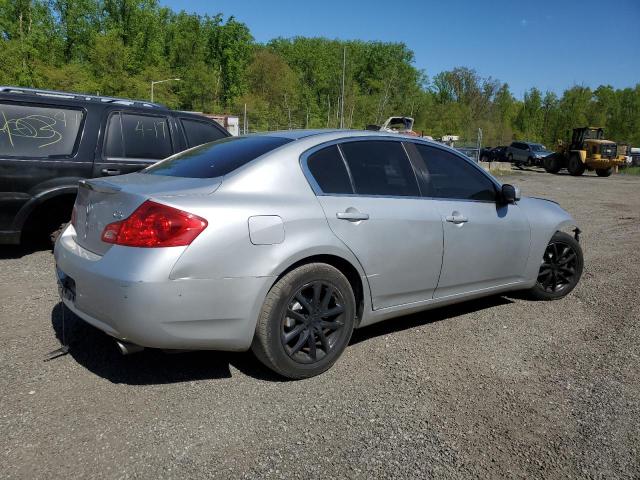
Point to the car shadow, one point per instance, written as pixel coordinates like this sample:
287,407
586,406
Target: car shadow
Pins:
407,322
98,353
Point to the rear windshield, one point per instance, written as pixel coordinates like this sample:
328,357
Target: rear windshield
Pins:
217,158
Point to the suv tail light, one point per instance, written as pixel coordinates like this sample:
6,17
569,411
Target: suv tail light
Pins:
155,225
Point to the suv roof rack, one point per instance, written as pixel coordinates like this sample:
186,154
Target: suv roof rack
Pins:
80,96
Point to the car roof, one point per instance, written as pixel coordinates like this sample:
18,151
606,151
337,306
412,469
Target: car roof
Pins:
327,134
73,98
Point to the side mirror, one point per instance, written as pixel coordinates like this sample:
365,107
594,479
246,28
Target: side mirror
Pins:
510,193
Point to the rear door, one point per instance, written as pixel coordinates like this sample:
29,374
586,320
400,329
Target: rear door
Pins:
486,243
371,198
133,140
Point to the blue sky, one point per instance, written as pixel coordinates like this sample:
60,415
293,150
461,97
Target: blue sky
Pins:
549,44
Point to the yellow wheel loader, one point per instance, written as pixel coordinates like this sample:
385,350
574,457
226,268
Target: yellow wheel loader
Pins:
588,150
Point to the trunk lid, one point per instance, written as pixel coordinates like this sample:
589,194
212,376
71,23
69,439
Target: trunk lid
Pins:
102,201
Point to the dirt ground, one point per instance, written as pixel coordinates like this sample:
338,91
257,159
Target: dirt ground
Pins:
501,387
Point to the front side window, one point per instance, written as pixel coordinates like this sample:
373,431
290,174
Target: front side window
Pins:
449,176
217,158
38,131
380,168
198,132
329,171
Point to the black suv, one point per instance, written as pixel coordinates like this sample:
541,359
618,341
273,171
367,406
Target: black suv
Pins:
49,140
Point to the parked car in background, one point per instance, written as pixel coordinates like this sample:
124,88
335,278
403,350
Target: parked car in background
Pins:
285,242
495,154
526,153
49,140
470,152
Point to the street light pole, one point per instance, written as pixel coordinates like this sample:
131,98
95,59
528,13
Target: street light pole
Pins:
154,82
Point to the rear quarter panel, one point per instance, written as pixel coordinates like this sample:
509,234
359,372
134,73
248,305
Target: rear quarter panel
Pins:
271,186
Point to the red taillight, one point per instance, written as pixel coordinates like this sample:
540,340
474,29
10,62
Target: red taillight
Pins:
155,225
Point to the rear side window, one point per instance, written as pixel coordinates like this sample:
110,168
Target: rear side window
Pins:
38,131
146,136
449,176
138,136
329,171
380,168
218,158
198,132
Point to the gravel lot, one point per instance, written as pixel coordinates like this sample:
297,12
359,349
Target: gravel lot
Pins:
501,387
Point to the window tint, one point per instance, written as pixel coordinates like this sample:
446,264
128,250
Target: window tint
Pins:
380,168
145,136
449,176
113,141
329,171
35,131
198,132
217,158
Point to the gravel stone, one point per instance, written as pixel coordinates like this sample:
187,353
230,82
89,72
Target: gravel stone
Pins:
498,387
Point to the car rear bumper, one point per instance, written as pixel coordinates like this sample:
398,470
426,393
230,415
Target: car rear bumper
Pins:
127,294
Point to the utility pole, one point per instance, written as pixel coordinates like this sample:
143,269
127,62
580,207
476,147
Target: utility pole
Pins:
244,120
288,109
344,67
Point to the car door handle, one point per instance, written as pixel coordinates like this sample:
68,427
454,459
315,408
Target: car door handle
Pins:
110,171
456,218
352,216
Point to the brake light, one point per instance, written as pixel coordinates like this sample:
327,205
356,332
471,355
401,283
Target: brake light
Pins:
155,225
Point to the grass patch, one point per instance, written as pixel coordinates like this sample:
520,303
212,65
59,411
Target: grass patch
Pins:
630,171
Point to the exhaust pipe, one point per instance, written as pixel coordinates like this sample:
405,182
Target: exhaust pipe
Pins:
127,348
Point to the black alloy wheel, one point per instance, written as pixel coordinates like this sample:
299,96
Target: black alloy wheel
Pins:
312,323
558,269
306,321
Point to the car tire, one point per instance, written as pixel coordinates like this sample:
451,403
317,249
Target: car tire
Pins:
576,167
604,172
531,162
301,332
560,270
551,164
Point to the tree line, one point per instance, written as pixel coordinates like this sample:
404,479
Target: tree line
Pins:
117,47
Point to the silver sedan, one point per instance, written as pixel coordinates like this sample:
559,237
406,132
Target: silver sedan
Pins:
285,242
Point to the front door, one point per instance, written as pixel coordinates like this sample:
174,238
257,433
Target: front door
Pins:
376,210
486,243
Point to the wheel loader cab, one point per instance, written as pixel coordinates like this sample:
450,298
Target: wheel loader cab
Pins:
580,135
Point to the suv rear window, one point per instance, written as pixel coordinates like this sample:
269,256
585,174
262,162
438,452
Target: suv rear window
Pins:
218,158
38,131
